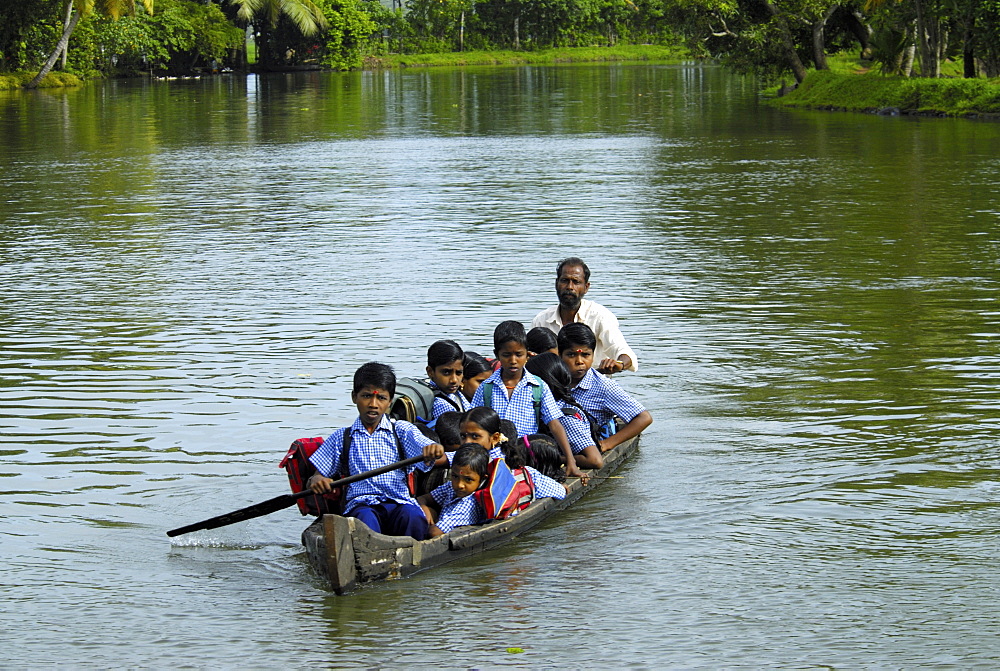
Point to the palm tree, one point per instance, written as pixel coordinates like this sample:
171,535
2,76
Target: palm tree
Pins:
77,9
306,16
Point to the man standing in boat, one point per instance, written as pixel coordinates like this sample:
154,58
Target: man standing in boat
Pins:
572,283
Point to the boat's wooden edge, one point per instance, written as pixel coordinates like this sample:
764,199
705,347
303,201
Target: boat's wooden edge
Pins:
347,553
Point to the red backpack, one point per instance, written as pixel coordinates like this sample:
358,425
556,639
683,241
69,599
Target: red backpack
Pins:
506,492
296,463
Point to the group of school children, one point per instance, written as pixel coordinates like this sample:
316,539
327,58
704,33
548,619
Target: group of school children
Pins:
483,412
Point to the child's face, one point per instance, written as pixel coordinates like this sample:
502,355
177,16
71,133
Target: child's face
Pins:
464,480
578,359
448,377
512,356
470,385
470,432
372,404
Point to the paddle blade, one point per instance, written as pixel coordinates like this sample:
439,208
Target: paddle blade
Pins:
248,513
279,502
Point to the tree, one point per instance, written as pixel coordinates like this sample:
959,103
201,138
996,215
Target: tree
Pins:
20,24
765,37
75,10
304,15
181,34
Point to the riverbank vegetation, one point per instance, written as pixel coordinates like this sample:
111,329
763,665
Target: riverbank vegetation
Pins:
618,53
896,95
769,38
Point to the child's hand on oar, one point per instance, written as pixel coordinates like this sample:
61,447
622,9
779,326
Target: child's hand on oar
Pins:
318,484
433,452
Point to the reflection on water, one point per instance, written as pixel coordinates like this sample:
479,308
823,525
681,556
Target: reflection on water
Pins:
192,270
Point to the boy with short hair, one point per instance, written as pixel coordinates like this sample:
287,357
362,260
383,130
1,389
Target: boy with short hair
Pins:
512,393
600,396
383,502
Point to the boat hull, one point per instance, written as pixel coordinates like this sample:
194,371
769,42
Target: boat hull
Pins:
347,554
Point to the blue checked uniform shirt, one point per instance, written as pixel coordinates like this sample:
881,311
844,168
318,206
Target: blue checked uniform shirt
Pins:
370,451
546,486
577,430
456,512
604,398
520,407
459,512
442,406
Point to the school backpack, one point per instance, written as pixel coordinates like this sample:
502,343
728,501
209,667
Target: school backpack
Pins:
296,463
414,400
536,398
506,492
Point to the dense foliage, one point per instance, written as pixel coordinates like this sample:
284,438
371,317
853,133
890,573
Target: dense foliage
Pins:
768,37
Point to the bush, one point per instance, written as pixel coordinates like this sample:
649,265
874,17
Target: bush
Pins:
867,92
17,80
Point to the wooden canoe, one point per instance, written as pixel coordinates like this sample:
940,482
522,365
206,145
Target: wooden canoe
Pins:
346,553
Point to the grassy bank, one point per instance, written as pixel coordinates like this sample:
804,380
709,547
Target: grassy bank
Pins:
17,80
892,95
643,52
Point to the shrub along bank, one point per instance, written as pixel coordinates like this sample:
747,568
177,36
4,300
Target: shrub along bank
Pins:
17,80
895,95
622,53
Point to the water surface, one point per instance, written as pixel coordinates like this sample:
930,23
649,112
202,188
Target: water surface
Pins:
192,270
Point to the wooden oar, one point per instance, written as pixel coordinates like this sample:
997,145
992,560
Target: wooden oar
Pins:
284,501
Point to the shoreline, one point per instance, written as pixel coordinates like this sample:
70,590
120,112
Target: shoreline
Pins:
15,81
894,96
862,92
616,54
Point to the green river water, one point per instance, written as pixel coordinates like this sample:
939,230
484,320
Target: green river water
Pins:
191,270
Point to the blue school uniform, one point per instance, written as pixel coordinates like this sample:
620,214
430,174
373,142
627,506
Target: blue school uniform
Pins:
459,512
603,398
519,407
455,511
546,487
577,429
458,402
370,451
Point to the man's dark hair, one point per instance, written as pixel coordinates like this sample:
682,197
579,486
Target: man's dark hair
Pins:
377,375
474,457
576,333
447,427
442,352
573,261
508,331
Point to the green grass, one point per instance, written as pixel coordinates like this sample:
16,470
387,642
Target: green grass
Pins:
871,92
646,52
17,80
